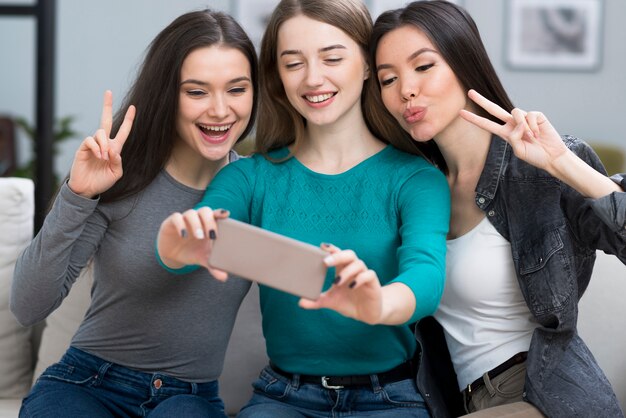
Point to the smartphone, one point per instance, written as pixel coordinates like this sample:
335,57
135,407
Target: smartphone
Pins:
269,258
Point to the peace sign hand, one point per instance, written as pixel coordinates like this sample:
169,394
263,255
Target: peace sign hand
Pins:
97,163
530,134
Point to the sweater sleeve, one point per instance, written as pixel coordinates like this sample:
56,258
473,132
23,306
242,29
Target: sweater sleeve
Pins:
424,209
230,189
46,270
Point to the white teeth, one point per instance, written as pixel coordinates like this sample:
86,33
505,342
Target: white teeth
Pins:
220,128
319,97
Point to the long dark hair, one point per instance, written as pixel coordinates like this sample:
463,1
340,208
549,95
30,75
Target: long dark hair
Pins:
455,35
279,123
155,94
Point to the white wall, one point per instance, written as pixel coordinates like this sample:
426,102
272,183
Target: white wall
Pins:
100,44
589,105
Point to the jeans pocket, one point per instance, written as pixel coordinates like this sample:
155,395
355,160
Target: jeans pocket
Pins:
271,385
68,373
510,384
403,393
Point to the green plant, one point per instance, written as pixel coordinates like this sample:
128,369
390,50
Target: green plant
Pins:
62,131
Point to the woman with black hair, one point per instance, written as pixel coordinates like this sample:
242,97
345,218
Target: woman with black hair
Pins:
529,210
149,345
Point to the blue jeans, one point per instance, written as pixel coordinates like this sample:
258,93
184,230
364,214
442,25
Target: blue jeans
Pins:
83,385
276,396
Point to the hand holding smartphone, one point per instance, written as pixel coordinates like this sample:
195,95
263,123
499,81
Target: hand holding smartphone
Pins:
269,258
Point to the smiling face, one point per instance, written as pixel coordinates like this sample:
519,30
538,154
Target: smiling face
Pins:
322,70
417,86
215,100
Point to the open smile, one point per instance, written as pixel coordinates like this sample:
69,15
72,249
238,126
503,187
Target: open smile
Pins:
215,133
319,98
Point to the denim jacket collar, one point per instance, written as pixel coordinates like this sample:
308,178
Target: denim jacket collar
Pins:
497,157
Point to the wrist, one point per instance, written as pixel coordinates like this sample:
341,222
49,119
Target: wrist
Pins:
78,191
562,166
576,173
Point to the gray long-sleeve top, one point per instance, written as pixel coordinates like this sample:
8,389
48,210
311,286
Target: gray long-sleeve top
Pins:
141,316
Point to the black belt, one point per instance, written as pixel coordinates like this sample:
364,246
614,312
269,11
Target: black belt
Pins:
516,359
401,372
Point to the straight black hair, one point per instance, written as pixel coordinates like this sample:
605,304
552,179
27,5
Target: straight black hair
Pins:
455,35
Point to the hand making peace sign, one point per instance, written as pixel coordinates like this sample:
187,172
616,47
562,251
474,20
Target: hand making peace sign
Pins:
530,134
97,163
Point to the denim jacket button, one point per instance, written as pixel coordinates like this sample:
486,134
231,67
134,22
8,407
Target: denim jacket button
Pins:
481,200
491,213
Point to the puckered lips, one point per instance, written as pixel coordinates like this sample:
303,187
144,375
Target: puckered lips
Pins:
414,114
319,99
215,133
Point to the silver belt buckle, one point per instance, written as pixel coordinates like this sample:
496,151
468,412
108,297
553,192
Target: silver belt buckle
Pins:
327,386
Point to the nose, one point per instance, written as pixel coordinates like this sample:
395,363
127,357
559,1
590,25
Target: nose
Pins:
408,91
218,107
314,75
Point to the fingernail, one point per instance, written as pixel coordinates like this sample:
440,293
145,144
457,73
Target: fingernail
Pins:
212,234
183,233
199,234
351,285
223,211
325,244
336,279
329,260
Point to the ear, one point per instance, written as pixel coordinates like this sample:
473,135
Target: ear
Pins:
366,72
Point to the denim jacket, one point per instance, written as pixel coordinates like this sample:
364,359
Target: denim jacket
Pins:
554,234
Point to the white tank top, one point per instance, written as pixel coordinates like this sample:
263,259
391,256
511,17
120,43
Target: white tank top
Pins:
483,313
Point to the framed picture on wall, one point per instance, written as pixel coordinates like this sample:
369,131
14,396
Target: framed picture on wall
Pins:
564,35
378,6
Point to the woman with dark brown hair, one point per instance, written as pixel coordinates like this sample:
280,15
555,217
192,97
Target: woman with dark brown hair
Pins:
148,345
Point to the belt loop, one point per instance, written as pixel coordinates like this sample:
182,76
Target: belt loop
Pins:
101,373
194,388
295,381
488,385
376,387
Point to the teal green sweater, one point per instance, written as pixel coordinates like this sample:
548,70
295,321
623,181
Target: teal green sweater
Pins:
392,210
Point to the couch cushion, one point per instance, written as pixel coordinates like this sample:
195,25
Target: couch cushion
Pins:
9,408
16,228
245,356
602,320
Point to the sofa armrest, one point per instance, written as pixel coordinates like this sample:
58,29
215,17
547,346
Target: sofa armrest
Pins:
16,343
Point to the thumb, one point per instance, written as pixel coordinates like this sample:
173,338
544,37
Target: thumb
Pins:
220,275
